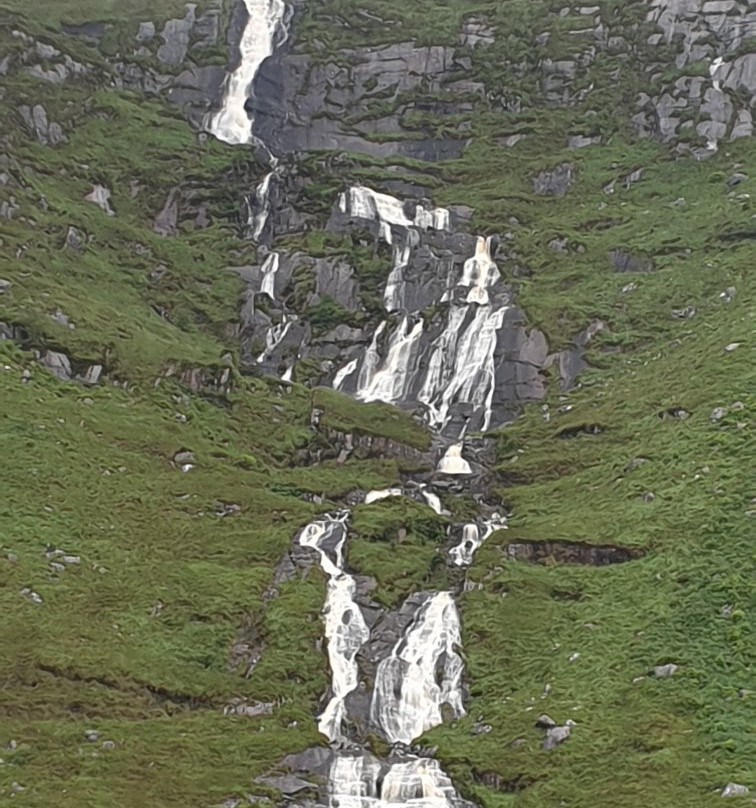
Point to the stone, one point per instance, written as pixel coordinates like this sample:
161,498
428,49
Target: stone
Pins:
665,671
108,745
558,735
100,196
556,181
717,414
74,239
183,457
60,318
684,314
146,31
581,141
253,710
91,735
5,286
736,179
623,261
734,790
166,221
545,722
728,295
176,34
31,595
58,364
733,346
287,783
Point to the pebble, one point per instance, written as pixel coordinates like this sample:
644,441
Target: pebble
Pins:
734,790
717,414
31,595
92,735
733,346
663,671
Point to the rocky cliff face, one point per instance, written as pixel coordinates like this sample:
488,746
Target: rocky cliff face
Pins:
275,272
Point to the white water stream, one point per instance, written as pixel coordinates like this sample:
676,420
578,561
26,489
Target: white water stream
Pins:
408,696
262,34
345,627
422,673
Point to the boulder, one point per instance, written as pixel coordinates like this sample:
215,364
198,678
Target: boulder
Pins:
555,181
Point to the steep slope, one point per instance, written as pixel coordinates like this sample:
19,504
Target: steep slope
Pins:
579,178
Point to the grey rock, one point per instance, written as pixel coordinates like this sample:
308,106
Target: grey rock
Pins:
8,208
166,221
336,279
684,314
91,376
91,735
45,51
100,196
61,318
717,414
736,179
556,181
206,29
146,31
623,261
558,735
729,294
183,457
299,104
108,745
45,132
242,708
176,34
5,286
287,783
58,364
664,671
74,238
734,790
582,141
315,761
545,722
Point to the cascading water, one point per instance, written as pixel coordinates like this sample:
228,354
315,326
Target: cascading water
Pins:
345,627
407,696
421,673
263,33
457,368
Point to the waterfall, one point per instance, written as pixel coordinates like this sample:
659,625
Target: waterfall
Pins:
260,213
269,270
390,380
345,627
456,368
407,696
232,122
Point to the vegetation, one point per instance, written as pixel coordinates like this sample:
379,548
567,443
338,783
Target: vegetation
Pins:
134,639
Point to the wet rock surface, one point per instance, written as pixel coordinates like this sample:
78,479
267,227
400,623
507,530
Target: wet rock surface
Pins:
329,105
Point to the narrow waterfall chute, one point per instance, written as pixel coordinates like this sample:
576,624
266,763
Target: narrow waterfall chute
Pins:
389,381
269,270
345,627
407,695
232,123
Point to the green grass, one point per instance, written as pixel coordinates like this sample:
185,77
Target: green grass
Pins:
134,641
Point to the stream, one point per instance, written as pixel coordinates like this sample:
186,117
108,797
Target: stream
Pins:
417,682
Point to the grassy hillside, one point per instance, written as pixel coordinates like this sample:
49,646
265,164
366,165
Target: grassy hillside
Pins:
134,636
